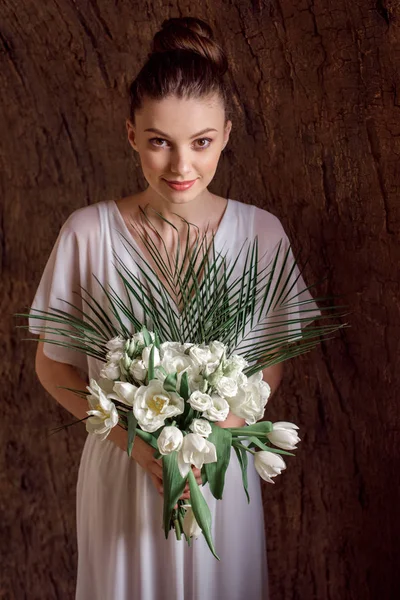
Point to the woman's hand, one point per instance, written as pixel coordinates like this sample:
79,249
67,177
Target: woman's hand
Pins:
231,421
143,453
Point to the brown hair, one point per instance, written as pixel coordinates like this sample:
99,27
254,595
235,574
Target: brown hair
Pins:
186,62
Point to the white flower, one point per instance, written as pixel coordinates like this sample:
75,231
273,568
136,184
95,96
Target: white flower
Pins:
114,356
249,403
217,348
195,450
190,526
138,369
265,391
219,410
195,379
268,465
106,385
110,371
124,392
152,405
117,343
176,347
169,440
146,356
214,369
201,426
227,387
234,365
174,360
103,413
200,401
283,435
201,354
138,339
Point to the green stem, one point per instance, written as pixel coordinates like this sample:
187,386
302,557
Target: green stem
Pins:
242,433
239,445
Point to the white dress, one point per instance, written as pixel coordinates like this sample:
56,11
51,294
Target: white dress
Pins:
122,550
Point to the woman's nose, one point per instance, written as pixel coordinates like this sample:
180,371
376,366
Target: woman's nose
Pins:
180,162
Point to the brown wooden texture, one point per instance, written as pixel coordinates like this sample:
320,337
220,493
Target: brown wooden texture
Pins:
316,140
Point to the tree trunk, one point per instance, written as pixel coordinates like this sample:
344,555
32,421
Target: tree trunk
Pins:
316,141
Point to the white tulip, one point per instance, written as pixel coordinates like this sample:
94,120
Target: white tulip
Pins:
219,410
169,440
195,450
190,526
152,405
124,392
268,465
200,401
201,426
283,435
103,413
138,370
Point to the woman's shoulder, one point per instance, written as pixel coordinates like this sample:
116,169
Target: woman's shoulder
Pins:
262,221
86,220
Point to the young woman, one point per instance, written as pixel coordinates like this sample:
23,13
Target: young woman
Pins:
179,126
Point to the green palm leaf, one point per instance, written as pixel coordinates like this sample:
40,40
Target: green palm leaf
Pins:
198,298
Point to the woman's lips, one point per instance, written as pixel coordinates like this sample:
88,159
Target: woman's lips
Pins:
185,185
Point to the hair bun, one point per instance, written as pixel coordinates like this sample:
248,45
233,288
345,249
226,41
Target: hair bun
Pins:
192,35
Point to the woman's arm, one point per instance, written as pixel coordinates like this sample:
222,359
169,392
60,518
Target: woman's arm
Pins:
52,374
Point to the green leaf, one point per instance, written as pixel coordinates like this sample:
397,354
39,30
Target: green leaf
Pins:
132,424
259,428
184,390
242,458
201,511
170,382
222,439
150,373
173,484
146,336
256,443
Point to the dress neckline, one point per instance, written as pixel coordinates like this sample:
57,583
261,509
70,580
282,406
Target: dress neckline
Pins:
218,233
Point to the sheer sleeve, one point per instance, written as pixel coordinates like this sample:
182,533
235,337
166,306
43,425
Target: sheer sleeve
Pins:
291,306
60,279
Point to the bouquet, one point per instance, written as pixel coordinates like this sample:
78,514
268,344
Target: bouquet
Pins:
197,355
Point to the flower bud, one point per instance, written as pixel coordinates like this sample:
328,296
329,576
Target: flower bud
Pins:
283,435
268,464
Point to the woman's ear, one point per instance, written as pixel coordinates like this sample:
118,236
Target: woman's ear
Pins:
131,134
227,131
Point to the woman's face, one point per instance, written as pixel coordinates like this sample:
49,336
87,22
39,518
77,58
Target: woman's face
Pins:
171,138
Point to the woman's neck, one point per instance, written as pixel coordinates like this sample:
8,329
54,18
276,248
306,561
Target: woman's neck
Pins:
206,210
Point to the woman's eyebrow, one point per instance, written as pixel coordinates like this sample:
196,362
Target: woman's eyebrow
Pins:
153,130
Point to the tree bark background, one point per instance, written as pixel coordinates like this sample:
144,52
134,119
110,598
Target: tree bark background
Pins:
316,141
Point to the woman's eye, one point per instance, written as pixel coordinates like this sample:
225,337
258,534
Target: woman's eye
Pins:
201,146
157,140
204,140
